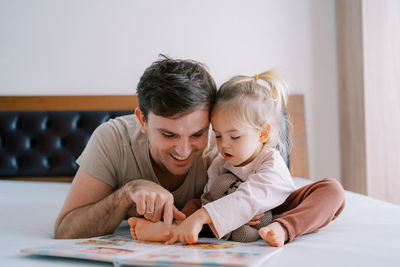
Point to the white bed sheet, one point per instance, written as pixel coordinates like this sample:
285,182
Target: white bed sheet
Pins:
367,233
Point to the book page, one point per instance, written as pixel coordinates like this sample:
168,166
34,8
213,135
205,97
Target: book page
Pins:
122,250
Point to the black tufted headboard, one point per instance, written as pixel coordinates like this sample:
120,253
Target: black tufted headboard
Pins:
41,136
46,143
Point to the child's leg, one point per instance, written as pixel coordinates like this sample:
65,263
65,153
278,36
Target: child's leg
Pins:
265,220
306,210
247,233
145,230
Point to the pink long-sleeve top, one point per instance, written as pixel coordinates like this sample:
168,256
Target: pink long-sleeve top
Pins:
266,183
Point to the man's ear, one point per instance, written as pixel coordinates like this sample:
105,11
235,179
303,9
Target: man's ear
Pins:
264,134
141,119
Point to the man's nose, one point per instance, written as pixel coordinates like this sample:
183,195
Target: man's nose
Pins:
183,148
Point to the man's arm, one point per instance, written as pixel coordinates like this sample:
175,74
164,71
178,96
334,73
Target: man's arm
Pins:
91,208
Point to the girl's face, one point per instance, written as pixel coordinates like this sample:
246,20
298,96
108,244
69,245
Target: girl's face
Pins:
238,146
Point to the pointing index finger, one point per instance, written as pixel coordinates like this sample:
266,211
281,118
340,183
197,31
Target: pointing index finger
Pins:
168,216
140,204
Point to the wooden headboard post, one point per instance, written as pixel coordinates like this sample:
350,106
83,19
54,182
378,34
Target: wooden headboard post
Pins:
299,153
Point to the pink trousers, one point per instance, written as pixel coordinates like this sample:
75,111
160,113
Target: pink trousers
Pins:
311,207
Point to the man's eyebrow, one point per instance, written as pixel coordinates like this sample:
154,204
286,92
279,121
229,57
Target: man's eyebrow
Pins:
165,131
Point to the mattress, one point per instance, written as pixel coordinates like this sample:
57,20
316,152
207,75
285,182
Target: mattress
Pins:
367,233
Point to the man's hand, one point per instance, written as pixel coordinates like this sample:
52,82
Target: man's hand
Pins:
153,201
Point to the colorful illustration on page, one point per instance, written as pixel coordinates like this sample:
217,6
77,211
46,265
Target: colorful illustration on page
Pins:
202,245
116,238
98,242
106,251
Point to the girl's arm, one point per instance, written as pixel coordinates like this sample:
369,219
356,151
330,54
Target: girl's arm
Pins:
188,231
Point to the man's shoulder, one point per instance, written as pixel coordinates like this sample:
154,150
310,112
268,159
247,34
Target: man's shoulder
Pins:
124,123
120,128
115,151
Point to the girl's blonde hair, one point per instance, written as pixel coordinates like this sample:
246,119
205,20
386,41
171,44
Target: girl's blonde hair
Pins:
257,101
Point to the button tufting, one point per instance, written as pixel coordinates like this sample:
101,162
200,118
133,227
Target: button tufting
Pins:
77,122
45,162
44,125
46,143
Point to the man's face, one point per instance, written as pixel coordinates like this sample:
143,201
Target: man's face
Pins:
175,143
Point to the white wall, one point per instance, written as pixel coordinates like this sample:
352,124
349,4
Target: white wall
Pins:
58,47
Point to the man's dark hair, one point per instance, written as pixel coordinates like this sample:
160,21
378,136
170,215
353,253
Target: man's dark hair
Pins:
171,87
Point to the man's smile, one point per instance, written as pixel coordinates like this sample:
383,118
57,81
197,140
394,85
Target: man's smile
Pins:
178,158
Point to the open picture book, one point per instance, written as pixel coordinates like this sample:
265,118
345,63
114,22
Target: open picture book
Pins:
122,250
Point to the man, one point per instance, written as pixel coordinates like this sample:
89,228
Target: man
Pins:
149,163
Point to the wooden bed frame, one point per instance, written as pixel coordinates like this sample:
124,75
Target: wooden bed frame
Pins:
298,154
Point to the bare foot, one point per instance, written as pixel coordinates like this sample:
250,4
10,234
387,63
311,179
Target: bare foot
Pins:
133,233
145,230
275,234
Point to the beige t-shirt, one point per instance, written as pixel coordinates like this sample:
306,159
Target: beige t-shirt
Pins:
118,152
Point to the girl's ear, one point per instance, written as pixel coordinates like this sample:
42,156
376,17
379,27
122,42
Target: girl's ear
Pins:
265,133
141,119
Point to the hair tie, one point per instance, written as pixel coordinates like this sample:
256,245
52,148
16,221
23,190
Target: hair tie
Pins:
255,77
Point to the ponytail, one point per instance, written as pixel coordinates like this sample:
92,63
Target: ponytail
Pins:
276,87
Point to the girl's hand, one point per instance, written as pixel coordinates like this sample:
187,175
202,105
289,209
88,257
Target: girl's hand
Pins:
188,231
255,220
